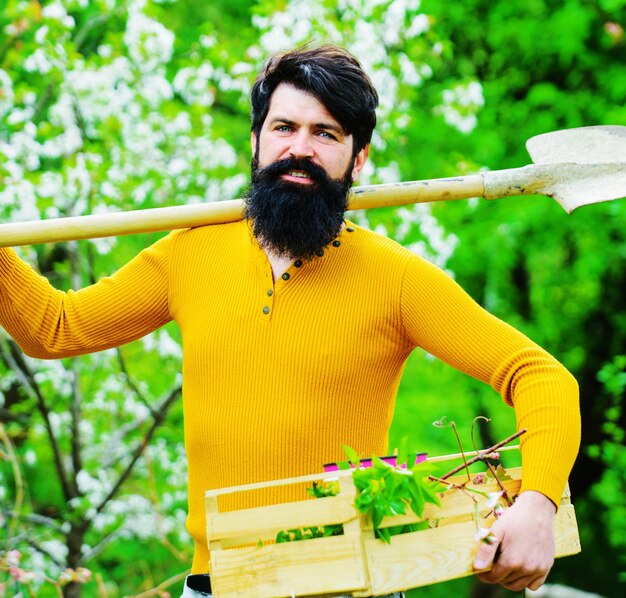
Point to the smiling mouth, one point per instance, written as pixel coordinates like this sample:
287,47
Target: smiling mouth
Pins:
298,174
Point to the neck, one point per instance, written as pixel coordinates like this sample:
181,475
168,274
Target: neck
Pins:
279,263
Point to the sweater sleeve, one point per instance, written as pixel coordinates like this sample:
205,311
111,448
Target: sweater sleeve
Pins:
441,318
48,323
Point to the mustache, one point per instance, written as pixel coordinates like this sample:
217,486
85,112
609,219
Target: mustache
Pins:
275,169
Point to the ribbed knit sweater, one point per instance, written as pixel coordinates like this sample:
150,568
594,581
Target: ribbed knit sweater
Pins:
278,376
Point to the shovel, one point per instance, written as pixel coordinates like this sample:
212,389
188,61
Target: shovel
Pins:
576,167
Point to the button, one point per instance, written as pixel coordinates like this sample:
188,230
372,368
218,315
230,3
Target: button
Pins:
319,253
270,292
286,276
336,243
350,229
298,263
266,309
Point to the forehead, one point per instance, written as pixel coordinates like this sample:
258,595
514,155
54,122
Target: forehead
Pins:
293,104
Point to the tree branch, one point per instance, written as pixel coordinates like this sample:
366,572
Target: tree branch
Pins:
40,520
17,477
483,454
122,363
141,447
75,409
100,546
14,360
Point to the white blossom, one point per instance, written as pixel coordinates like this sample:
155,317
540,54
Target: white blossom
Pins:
70,140
30,457
96,488
419,24
21,198
56,11
460,105
163,343
221,189
19,115
436,246
7,96
193,84
410,72
55,548
101,93
22,151
150,44
59,422
41,33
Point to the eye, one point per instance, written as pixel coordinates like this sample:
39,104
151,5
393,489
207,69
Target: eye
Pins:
284,128
327,135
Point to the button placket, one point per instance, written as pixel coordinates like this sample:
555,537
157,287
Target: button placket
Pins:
267,302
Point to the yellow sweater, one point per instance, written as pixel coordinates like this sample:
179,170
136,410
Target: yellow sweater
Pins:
278,376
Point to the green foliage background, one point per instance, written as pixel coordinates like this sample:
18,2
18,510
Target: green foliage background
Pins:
463,84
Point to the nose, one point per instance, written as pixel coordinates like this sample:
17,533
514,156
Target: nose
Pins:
301,146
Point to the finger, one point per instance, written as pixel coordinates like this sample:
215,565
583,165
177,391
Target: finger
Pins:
517,580
497,573
486,553
537,582
516,583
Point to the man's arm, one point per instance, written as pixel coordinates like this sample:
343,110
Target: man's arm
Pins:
48,323
441,318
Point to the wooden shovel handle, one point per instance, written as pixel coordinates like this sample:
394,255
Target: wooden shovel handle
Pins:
112,224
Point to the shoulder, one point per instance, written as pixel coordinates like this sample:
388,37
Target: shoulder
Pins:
211,236
383,249
386,259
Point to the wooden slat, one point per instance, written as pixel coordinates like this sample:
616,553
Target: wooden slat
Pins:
314,477
274,518
321,566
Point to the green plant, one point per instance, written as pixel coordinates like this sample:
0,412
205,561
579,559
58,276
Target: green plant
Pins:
384,490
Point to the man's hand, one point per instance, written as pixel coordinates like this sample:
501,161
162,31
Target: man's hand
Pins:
523,550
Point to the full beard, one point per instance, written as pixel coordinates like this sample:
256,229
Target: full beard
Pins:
295,220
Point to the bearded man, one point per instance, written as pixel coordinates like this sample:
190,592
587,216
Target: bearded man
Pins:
296,324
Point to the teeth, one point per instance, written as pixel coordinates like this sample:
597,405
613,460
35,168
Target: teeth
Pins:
298,174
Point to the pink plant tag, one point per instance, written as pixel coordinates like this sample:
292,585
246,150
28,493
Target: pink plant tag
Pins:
390,459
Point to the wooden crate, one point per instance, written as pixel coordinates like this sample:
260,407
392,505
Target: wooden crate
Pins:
355,563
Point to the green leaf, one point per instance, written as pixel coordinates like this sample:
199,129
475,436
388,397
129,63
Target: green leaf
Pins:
378,463
403,451
352,455
397,507
384,534
502,474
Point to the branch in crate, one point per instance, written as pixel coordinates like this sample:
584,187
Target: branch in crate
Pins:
459,487
483,455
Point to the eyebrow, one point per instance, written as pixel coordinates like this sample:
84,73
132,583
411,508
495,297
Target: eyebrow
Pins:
321,125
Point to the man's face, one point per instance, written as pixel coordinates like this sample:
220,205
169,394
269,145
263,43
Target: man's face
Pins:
302,169
299,126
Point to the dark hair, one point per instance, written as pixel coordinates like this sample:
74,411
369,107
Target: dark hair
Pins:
333,76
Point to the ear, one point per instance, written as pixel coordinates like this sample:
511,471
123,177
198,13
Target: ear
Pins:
359,162
253,142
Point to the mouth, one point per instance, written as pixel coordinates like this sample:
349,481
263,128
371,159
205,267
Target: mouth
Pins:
298,176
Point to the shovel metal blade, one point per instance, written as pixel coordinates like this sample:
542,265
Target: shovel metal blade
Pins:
599,152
